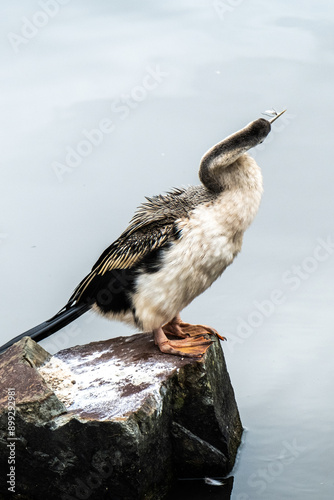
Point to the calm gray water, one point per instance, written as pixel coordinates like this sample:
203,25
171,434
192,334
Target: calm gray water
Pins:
163,82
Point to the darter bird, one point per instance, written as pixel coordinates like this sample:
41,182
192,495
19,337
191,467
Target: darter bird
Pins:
175,247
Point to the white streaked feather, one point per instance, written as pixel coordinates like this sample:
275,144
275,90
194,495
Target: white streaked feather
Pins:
213,482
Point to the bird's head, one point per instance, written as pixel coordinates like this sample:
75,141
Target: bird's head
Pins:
225,153
258,130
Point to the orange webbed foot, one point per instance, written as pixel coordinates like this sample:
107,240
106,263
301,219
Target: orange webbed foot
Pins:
194,347
178,328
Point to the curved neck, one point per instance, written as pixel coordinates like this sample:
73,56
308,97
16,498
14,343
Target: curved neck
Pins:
227,152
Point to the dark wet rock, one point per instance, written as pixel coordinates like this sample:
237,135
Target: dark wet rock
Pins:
194,456
115,419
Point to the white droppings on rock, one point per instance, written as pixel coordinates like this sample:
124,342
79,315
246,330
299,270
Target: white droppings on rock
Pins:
60,379
110,387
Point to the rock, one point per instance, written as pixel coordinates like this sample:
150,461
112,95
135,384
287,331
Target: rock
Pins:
114,419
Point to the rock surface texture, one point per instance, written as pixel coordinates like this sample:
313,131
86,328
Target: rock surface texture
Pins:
114,420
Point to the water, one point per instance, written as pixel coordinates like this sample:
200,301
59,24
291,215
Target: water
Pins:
164,82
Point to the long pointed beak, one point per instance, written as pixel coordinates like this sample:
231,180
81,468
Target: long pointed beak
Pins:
277,116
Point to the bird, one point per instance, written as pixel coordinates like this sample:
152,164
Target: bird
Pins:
175,246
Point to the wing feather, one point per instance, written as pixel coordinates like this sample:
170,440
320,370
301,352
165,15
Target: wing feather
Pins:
153,225
126,252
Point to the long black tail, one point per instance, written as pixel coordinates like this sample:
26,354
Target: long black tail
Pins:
52,325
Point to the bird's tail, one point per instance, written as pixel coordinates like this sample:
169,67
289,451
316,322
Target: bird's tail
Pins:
50,326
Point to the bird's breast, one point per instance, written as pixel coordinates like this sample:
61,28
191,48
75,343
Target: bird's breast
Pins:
210,239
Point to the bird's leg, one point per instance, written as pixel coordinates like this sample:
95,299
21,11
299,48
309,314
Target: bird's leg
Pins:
188,347
174,327
178,328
